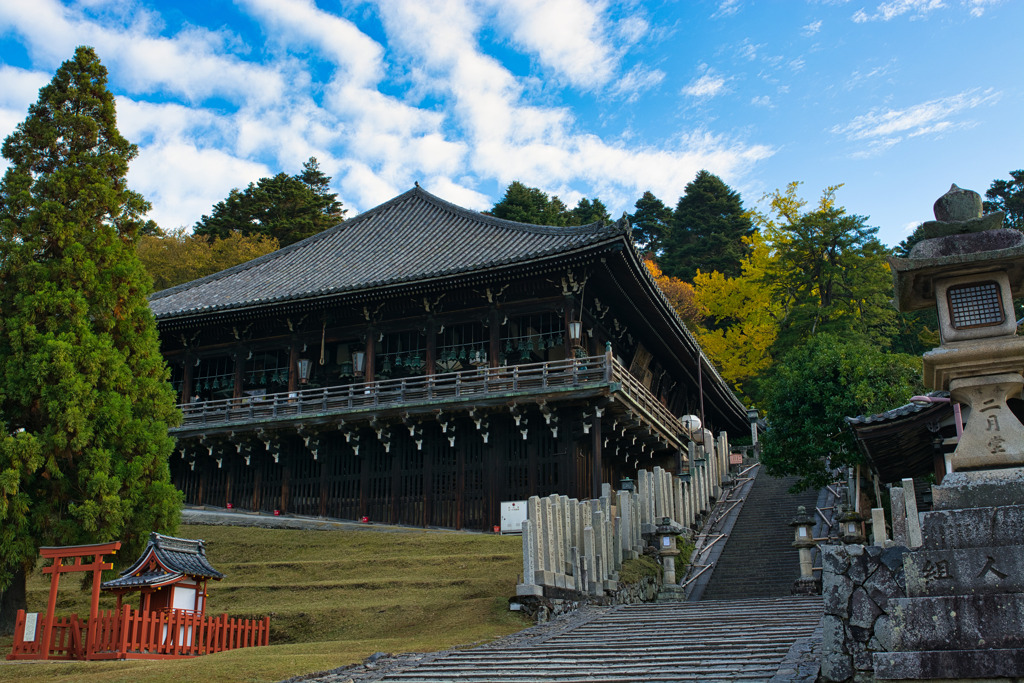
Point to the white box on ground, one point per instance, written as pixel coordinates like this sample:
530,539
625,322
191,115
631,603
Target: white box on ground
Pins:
513,514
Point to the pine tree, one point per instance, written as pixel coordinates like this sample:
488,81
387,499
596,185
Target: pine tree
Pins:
707,230
530,205
650,223
84,395
286,208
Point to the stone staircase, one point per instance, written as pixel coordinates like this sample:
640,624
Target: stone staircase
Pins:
758,559
751,640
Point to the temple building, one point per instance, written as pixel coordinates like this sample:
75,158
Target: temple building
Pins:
420,363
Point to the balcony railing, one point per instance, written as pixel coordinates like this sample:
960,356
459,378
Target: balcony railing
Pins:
592,372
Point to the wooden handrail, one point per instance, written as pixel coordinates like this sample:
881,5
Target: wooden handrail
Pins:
590,371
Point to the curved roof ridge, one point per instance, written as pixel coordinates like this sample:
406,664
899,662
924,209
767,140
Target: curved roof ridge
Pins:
589,228
595,229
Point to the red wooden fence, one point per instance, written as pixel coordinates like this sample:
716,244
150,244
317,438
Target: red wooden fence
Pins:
130,634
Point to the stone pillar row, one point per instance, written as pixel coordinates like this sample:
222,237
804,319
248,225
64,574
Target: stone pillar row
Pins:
580,545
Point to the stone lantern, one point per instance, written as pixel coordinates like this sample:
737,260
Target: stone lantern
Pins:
803,541
970,269
666,531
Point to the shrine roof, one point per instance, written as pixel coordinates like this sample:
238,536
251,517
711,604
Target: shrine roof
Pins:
413,237
176,558
899,443
150,579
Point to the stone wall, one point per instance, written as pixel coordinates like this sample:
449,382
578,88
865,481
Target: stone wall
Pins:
542,608
858,583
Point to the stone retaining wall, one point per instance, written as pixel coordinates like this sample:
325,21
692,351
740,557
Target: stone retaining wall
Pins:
543,608
858,583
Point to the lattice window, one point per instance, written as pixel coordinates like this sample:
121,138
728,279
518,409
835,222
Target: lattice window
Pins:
530,338
975,305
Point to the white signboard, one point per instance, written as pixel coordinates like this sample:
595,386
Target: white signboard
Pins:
30,626
513,514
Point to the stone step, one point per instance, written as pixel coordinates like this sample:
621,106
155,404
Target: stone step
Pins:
705,641
758,559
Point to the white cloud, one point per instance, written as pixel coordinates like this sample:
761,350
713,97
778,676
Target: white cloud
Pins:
762,101
895,8
567,36
811,28
637,80
726,8
978,7
708,84
419,101
881,129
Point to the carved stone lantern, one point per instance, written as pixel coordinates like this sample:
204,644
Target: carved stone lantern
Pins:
970,269
803,541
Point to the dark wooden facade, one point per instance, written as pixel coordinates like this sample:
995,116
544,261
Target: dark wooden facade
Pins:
473,391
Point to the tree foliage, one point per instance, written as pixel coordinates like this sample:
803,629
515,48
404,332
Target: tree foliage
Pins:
831,274
679,294
706,230
84,395
177,256
1008,196
650,223
286,208
532,205
810,391
742,316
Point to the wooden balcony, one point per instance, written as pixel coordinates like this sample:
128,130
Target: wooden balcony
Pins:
592,377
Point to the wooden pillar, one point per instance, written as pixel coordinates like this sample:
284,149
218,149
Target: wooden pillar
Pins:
364,481
257,487
531,458
570,306
431,351
396,484
428,486
230,475
239,356
371,352
186,377
293,365
286,476
460,483
494,337
597,474
324,482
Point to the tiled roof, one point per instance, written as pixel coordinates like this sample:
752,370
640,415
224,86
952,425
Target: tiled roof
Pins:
180,557
415,236
145,579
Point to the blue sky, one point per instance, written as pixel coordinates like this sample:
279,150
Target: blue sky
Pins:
605,98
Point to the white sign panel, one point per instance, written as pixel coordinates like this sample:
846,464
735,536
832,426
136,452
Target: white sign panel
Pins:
513,514
30,626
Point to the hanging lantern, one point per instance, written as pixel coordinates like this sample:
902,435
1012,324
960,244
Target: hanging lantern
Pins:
398,361
508,347
304,368
462,353
359,363
346,369
385,369
263,378
575,333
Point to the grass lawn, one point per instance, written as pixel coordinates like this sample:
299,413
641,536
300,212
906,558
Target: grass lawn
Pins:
333,597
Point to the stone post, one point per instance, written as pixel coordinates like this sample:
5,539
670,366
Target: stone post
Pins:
899,516
913,520
529,585
595,586
878,527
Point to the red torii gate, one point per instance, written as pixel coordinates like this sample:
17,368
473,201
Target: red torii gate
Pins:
125,633
97,567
